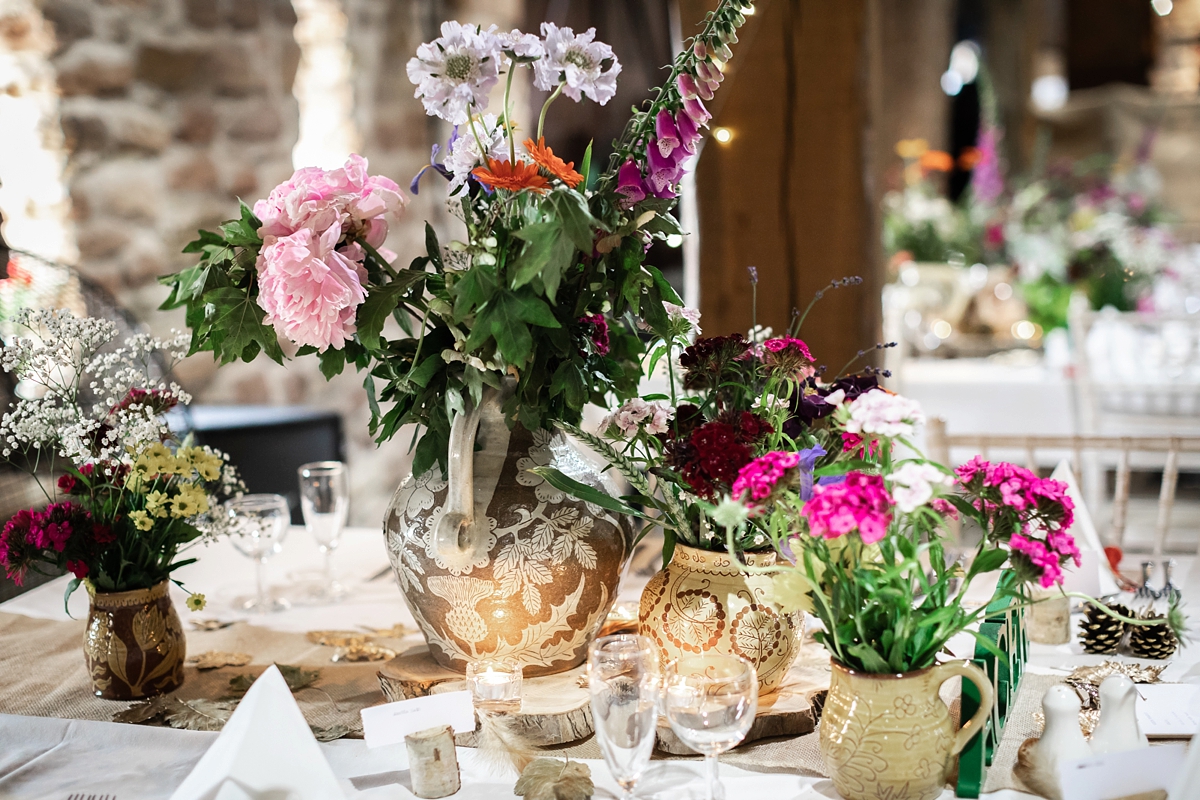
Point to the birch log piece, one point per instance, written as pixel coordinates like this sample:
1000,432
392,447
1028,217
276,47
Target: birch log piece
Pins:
432,762
554,708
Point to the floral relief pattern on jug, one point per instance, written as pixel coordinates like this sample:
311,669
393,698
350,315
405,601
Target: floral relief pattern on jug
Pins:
133,643
891,736
702,602
543,570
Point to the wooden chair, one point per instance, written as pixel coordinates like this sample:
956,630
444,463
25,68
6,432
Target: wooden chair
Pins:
1148,450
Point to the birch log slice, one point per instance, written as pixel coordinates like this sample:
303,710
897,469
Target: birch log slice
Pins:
433,762
554,708
786,712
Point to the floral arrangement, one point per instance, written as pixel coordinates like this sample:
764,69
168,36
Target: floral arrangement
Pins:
736,411
864,548
1084,225
919,222
128,498
543,292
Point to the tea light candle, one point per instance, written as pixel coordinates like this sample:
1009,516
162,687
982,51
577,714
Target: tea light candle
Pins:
495,684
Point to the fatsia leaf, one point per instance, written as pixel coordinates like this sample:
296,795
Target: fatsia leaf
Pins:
577,220
296,678
214,659
330,733
551,779
239,321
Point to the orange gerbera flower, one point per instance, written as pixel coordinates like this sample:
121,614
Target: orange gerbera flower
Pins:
936,160
514,177
544,157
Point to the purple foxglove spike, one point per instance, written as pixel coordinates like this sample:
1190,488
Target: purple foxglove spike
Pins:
704,89
696,110
630,183
699,49
687,86
689,134
663,172
667,133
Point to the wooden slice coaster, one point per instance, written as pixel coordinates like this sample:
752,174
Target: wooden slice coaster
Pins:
555,708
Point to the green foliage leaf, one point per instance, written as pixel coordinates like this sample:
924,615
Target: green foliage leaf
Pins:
380,303
577,220
237,327
987,561
547,253
871,661
333,361
584,492
433,248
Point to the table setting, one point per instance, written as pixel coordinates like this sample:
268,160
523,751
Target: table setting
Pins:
833,614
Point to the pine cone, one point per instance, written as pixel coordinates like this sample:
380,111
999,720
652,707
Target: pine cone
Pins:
1152,641
1099,633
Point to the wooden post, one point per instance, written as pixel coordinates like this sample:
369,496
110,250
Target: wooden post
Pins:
433,762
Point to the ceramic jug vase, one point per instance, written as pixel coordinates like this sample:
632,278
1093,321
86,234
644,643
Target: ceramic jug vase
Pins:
891,736
495,562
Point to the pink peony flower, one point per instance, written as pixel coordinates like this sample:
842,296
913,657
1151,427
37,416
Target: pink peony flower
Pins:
861,503
309,290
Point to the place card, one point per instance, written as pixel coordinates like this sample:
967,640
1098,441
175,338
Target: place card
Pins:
391,722
1113,776
1168,710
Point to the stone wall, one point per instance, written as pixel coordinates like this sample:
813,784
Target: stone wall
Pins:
173,109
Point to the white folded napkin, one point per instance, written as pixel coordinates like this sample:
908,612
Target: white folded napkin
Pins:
266,749
1094,575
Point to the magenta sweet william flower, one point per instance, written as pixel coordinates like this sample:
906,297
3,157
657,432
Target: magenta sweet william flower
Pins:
756,480
1063,543
78,569
861,503
1043,561
309,290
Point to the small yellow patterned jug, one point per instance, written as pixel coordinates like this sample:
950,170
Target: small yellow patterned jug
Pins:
890,736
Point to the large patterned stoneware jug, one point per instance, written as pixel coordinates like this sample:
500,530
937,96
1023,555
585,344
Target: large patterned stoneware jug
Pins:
702,602
495,562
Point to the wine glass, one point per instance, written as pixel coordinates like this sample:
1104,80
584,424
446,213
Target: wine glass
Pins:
324,502
625,685
710,702
258,523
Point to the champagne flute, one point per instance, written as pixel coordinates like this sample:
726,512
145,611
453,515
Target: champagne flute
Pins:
258,524
324,502
710,702
624,681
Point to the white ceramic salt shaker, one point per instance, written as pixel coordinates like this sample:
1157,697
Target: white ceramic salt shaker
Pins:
1118,729
1062,739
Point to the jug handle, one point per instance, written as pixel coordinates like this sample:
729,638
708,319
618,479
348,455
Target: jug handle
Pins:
459,514
975,675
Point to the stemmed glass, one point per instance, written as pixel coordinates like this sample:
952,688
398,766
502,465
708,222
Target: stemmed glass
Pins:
625,685
324,502
710,701
258,524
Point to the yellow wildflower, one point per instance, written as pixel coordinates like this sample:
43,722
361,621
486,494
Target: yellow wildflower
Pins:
195,602
156,503
135,481
190,501
141,520
210,470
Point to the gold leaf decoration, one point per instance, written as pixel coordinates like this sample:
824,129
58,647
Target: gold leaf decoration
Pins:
209,624
365,651
337,638
330,733
296,678
551,779
215,659
149,627
192,715
397,631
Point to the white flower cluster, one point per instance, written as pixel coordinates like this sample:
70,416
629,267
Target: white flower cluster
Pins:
881,413
463,154
913,484
455,73
58,356
639,414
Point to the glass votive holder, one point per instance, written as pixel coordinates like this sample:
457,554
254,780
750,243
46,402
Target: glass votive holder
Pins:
495,684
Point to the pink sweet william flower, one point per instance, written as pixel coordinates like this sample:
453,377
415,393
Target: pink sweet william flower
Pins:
756,480
309,290
1064,544
1042,559
861,503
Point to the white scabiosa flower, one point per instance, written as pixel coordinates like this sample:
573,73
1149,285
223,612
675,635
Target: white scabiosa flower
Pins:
463,154
584,66
522,45
454,73
881,413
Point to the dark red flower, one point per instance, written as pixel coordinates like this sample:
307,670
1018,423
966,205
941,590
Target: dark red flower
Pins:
78,569
706,361
599,333
158,400
103,534
66,483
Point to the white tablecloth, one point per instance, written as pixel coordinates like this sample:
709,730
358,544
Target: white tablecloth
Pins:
53,758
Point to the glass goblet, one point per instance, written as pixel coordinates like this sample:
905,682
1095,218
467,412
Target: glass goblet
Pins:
324,502
258,524
710,702
625,685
